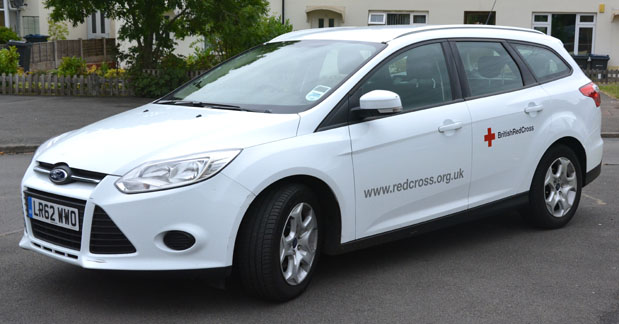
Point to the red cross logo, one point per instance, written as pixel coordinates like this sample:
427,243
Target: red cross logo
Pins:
489,137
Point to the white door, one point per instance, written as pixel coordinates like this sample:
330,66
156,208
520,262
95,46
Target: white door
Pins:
506,120
98,26
407,170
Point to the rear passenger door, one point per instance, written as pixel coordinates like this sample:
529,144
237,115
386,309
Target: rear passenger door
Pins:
507,109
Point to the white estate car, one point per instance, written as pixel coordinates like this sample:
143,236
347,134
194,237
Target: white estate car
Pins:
321,141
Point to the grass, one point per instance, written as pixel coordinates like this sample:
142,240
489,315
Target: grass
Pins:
611,89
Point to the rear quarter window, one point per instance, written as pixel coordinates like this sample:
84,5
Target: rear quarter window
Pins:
544,64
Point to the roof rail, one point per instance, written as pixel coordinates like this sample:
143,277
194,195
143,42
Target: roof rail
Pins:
305,32
445,27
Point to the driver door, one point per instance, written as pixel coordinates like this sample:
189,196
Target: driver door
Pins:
412,166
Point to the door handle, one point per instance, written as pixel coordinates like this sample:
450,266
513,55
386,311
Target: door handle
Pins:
533,109
450,127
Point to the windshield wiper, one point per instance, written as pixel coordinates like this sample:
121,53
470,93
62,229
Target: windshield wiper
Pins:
200,104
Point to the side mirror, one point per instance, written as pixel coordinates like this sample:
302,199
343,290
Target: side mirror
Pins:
385,102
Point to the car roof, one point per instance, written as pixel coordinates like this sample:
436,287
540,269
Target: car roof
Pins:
383,34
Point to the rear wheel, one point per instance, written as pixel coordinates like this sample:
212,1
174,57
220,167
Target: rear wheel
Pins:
556,188
278,245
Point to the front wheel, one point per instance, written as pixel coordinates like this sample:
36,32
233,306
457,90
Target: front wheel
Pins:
278,245
556,188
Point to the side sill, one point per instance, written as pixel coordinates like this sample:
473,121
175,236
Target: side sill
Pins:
593,174
488,209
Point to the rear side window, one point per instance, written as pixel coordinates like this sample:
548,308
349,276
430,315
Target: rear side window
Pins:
488,68
544,64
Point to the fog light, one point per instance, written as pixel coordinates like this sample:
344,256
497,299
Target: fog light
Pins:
178,240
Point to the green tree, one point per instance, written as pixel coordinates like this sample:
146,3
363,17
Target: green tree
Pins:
150,24
57,30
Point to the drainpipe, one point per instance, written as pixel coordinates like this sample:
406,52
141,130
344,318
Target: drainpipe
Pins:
7,23
283,7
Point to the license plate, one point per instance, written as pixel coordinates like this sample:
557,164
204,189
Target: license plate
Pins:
63,216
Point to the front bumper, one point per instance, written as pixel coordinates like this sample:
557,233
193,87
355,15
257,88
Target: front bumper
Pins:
211,211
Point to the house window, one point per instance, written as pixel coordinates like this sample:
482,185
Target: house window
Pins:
576,31
31,25
377,18
321,23
480,17
419,19
397,18
98,25
331,22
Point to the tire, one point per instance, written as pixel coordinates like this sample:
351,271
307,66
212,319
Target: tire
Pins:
558,180
267,231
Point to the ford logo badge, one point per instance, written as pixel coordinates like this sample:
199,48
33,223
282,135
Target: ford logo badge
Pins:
60,175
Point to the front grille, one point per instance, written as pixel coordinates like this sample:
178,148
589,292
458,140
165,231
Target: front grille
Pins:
106,237
77,174
55,234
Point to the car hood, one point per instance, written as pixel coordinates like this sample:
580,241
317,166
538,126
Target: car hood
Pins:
154,132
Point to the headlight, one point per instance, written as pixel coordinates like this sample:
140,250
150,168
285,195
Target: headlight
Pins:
174,173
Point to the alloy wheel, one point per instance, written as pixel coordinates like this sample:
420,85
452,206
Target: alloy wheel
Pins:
298,243
560,185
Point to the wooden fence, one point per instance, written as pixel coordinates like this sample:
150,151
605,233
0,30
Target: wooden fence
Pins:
53,85
47,56
603,76
94,85
190,74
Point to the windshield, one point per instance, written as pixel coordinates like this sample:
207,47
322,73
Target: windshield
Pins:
285,77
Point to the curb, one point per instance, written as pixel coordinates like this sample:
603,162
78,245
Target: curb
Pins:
610,135
18,149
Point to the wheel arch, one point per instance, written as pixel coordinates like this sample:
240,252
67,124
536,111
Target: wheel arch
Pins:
574,144
331,218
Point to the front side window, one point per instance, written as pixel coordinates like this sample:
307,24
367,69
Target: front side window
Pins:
544,64
284,77
419,76
488,68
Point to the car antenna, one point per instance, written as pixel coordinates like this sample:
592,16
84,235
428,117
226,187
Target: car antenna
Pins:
490,13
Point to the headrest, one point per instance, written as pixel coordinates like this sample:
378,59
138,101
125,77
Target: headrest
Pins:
490,66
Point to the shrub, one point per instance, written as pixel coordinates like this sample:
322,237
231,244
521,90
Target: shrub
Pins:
7,34
172,73
103,69
9,60
71,66
114,73
202,59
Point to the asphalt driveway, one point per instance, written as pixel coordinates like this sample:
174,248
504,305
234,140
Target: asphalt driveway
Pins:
496,270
